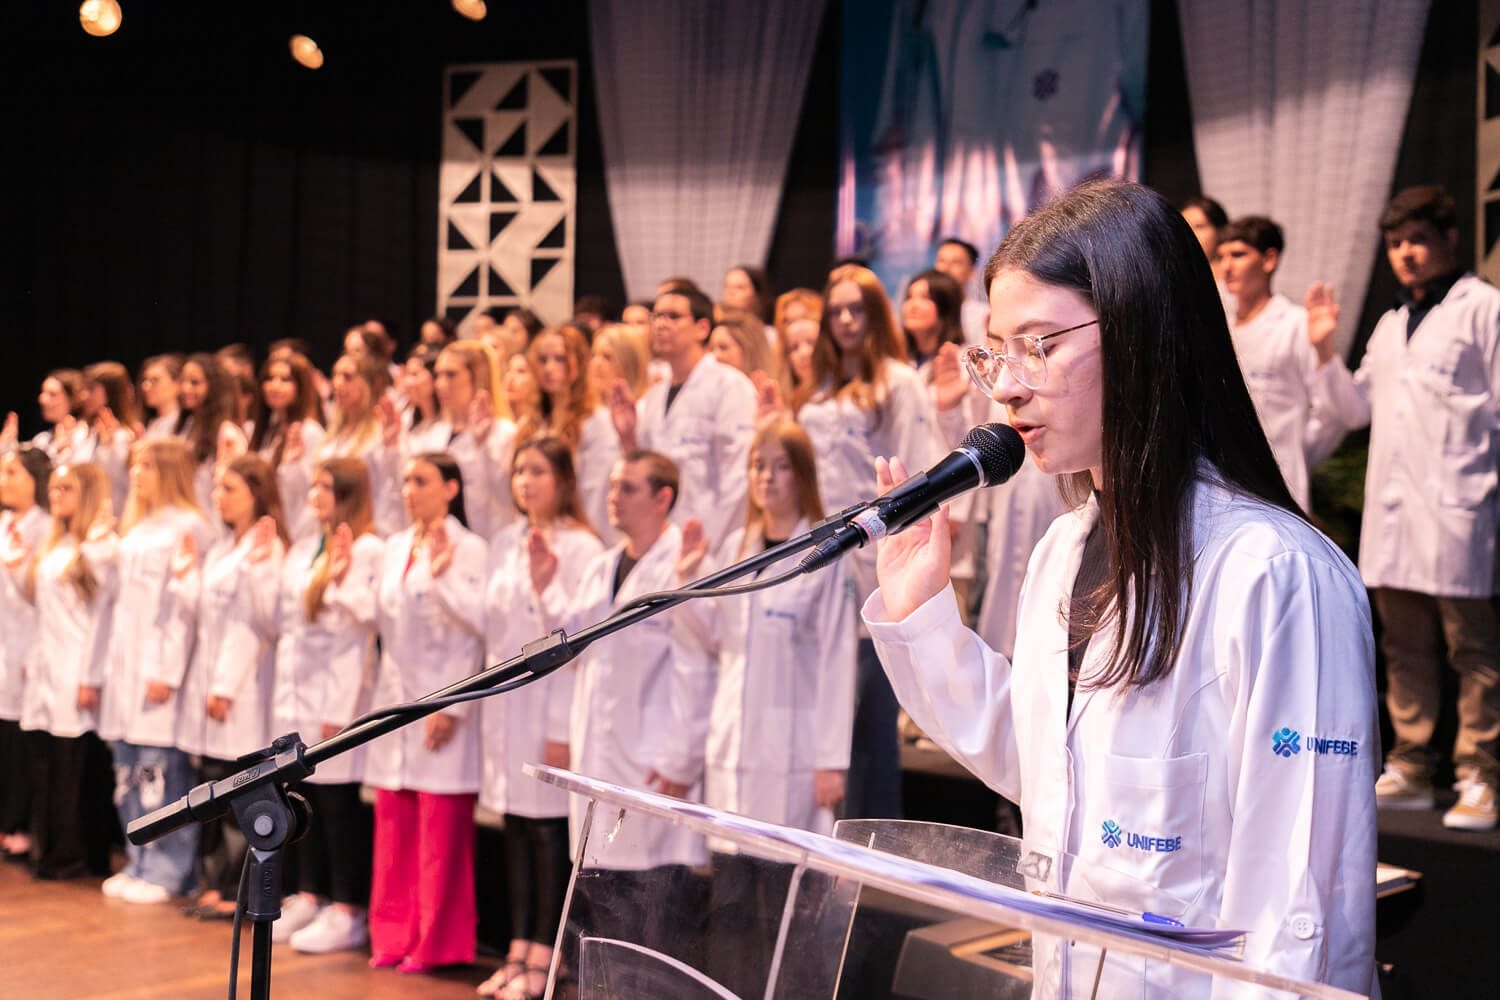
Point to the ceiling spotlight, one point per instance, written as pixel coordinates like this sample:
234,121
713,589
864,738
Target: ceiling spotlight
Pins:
306,51
474,10
101,17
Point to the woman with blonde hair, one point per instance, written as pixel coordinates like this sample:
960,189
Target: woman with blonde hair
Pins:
150,639
324,656
60,704
226,696
619,355
24,526
531,724
864,400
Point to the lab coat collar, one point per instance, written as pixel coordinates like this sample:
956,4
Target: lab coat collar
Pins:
666,546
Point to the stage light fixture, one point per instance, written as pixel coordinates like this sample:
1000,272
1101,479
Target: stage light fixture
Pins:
100,17
306,51
474,10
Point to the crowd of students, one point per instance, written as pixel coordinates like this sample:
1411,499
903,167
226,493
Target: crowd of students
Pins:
212,555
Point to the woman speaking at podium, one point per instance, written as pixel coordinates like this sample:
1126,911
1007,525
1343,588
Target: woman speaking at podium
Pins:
1191,701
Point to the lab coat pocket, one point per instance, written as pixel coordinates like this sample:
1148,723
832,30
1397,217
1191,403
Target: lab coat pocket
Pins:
1149,820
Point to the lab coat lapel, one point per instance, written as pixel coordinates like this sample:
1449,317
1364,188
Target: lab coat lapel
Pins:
643,579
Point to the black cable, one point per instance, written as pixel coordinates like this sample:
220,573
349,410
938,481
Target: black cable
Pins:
240,902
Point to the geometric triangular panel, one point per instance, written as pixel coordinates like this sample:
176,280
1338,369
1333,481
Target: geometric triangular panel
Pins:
456,312
561,80
498,222
471,193
459,84
558,145
473,130
557,238
500,193
1491,226
516,144
516,99
1491,93
541,191
539,268
1495,38
498,285
469,286
1494,184
456,239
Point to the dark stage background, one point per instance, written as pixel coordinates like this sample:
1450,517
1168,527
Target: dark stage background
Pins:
183,184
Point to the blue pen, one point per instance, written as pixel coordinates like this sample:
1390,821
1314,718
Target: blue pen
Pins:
1148,917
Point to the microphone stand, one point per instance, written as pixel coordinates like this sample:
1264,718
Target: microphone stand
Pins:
270,817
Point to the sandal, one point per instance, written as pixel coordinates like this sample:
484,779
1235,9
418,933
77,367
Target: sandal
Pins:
530,985
513,969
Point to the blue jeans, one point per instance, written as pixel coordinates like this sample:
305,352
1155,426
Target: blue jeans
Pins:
146,778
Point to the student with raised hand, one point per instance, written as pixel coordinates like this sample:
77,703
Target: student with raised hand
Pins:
150,639
426,775
288,399
69,779
24,525
1236,687
114,423
618,355
226,696
419,424
541,558
160,388
324,654
479,432
358,414
208,421
66,438
865,400
701,417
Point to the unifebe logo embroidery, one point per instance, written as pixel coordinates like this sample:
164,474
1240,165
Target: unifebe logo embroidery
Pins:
1287,742
1112,834
1284,742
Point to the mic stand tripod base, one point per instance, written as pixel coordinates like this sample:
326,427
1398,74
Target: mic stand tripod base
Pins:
270,817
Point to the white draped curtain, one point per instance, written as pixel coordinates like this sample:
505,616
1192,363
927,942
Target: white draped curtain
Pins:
698,106
1298,108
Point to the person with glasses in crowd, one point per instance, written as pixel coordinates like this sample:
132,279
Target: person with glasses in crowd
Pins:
1194,664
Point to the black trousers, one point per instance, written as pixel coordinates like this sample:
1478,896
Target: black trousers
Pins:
73,820
537,867
334,860
15,780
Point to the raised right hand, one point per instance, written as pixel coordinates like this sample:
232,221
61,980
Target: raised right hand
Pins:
1322,318
915,565
340,553
543,560
390,421
622,412
185,555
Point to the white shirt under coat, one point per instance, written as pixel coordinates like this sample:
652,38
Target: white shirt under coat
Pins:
1433,405
1247,773
69,645
707,433
324,667
783,705
640,703
151,636
516,726
432,635
234,655
19,639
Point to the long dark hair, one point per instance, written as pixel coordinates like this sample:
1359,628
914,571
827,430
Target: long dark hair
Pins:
948,298
1173,396
559,458
447,467
219,405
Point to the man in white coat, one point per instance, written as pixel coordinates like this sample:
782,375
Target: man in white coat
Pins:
640,707
702,417
959,260
1429,387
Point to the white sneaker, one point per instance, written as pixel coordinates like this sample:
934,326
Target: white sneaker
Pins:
141,891
114,887
1396,789
297,911
1476,808
334,930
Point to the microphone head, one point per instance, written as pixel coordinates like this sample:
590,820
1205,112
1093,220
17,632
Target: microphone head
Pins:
1000,450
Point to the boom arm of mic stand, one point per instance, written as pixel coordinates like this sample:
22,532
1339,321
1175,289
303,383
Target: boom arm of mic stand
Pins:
289,759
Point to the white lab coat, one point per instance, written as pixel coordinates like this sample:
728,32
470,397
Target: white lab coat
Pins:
1433,403
432,634
847,441
484,466
294,479
783,705
593,460
234,656
640,702
1280,368
384,465
151,635
19,614
515,726
68,651
324,667
1276,637
1019,512
707,434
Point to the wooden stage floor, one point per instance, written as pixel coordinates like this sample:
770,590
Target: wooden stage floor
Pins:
65,941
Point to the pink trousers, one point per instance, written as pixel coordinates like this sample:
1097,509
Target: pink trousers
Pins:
422,889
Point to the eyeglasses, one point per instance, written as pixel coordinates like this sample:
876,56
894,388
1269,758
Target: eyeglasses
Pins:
1022,356
667,316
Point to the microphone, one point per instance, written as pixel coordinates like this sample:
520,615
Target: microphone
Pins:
988,455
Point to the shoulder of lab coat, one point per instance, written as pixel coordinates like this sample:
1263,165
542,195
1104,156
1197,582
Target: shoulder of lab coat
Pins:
576,549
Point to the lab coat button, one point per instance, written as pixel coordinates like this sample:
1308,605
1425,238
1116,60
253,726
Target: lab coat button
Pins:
1303,927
